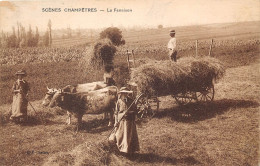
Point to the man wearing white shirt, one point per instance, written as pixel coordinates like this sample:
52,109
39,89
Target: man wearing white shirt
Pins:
172,47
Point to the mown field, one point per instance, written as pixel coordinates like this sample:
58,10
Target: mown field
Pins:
222,132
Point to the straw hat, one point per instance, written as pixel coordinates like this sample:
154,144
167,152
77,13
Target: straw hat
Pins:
21,72
124,90
172,32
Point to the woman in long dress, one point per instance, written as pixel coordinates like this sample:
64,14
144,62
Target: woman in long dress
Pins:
126,134
20,91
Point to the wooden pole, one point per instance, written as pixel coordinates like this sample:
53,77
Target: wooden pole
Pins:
210,48
128,59
133,58
196,47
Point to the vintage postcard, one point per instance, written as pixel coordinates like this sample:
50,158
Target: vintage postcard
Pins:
128,82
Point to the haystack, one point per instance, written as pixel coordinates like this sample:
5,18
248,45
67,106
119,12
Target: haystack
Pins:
100,54
166,77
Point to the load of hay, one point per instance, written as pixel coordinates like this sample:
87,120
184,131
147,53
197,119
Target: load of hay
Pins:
100,54
166,77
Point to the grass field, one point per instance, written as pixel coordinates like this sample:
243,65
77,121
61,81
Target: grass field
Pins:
222,132
186,33
61,73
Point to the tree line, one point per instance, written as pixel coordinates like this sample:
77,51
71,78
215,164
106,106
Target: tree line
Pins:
22,38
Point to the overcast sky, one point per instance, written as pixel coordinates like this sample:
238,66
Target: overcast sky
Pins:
144,13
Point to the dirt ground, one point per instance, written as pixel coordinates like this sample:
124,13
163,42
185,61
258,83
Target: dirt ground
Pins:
223,132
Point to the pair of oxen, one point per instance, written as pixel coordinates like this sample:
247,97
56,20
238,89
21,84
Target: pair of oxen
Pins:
89,98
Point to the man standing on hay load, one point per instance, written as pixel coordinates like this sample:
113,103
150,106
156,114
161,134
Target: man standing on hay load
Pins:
172,47
20,91
125,135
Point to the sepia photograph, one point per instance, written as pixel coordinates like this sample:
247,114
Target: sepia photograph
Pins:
128,82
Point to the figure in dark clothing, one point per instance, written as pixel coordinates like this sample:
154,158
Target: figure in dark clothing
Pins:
20,91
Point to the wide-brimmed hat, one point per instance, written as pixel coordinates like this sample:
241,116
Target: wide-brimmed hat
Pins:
172,32
21,72
124,90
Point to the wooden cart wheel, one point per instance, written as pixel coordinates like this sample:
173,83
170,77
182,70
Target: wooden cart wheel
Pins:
184,98
147,106
206,94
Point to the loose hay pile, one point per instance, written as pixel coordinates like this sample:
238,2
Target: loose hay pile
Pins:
89,153
100,53
166,77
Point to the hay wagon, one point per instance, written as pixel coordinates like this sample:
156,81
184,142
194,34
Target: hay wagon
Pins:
189,80
148,104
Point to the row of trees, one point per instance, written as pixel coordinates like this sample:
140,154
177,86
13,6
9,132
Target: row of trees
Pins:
20,38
